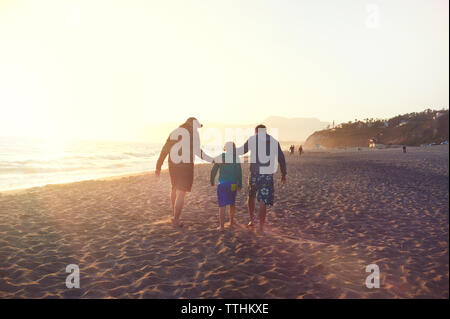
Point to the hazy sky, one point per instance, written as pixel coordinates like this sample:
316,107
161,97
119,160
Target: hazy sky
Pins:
104,69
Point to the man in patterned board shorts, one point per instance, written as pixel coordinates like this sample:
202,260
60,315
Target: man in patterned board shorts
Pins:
260,183
260,186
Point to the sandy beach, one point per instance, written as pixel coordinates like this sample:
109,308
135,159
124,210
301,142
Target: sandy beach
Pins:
338,213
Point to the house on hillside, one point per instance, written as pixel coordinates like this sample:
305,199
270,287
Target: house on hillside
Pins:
373,143
438,115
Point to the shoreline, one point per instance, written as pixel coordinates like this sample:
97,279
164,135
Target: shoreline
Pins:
22,190
308,151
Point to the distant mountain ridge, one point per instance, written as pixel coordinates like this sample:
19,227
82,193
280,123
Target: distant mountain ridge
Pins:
294,129
289,129
429,126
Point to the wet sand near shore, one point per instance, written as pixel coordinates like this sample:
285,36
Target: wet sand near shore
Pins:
338,213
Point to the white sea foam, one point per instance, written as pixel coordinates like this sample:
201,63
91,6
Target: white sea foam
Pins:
26,162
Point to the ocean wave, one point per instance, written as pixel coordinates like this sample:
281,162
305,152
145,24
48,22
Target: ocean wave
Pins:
144,155
68,159
60,169
112,157
24,162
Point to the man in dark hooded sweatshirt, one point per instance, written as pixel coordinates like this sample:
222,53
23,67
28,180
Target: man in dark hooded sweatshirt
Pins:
182,145
265,154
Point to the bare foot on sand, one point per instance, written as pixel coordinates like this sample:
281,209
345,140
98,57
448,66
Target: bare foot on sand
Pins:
220,229
176,223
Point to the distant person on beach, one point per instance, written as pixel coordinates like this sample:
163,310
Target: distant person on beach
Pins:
291,150
300,150
182,145
404,148
262,168
230,181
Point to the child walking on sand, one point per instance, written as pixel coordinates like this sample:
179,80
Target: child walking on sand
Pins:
230,181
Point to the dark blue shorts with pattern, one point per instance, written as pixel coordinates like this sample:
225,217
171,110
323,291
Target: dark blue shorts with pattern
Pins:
261,187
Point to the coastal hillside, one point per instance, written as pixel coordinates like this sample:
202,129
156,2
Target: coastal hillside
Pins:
414,129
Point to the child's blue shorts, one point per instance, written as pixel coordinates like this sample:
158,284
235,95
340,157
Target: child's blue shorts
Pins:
226,193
